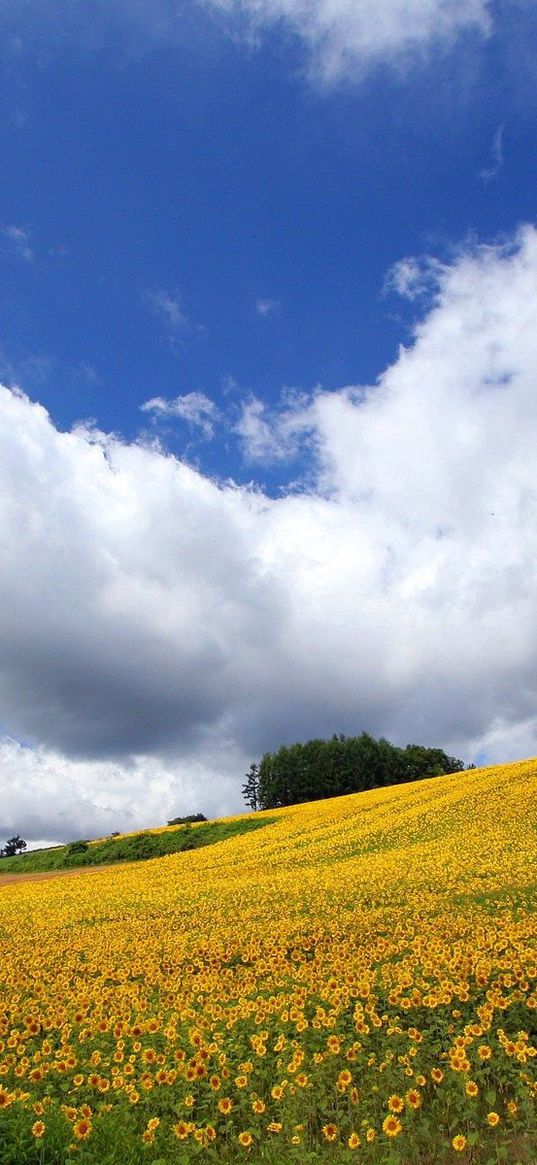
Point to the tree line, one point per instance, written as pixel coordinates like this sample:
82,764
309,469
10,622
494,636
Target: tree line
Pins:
333,768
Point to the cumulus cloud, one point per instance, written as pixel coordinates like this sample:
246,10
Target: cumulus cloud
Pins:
52,798
271,435
158,630
197,409
345,36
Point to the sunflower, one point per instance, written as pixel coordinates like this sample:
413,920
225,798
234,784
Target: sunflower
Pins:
82,1129
330,1132
180,1130
392,1126
413,1098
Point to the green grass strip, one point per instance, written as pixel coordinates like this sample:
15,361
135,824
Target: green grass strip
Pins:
134,848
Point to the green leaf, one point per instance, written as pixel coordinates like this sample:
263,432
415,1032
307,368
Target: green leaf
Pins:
490,1096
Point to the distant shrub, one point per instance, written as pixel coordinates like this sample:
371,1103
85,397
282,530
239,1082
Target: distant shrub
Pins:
189,820
140,847
76,847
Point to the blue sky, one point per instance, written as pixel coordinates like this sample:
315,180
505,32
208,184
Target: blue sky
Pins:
229,214
170,189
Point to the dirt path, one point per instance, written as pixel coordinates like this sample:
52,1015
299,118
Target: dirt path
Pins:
41,876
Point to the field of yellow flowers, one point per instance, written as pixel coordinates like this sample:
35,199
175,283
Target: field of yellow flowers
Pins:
357,981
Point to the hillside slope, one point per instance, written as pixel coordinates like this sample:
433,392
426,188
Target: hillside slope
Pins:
357,979
130,847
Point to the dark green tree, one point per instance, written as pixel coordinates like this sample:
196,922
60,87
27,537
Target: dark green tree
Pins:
14,845
250,789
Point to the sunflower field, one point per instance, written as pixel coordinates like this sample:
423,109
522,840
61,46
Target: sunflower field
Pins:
356,981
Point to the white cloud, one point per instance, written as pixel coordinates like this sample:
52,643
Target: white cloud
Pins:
270,435
158,630
58,799
412,277
197,409
20,240
344,37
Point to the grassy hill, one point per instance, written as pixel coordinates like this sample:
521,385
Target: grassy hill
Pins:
356,983
131,847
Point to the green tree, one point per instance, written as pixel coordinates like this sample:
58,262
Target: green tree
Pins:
250,789
14,845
